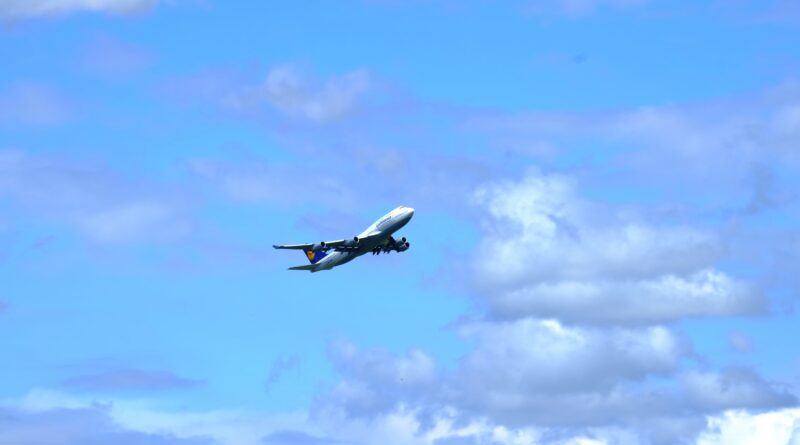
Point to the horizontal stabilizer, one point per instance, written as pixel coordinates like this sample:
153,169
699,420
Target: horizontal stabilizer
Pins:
293,246
310,267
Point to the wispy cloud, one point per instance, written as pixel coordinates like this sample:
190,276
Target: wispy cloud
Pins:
271,182
280,366
288,437
90,424
28,9
130,379
285,92
140,419
740,341
361,140
577,8
98,201
288,91
758,128
28,103
108,56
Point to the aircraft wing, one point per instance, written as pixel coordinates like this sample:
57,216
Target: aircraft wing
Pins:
339,244
310,246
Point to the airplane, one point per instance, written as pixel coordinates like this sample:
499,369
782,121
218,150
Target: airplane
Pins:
377,238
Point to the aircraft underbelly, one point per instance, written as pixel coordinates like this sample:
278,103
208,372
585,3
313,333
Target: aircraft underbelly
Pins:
338,259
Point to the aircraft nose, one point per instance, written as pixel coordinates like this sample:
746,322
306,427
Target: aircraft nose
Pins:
410,212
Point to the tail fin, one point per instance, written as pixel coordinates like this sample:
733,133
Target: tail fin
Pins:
314,256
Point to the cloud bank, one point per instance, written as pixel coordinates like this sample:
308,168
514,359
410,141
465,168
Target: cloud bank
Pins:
579,297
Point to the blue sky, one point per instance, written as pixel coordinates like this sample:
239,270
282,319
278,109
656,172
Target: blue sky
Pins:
603,251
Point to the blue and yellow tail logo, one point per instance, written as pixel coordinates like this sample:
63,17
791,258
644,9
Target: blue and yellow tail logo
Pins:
315,255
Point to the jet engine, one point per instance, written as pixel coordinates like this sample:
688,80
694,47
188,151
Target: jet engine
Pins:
320,246
351,242
401,245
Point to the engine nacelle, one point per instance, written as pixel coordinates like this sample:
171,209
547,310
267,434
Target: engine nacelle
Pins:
351,242
403,246
320,246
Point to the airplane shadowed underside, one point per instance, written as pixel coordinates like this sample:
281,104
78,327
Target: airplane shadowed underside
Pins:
377,238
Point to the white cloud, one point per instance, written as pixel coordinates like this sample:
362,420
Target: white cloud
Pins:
548,253
374,382
663,299
26,9
47,418
538,228
731,388
48,411
781,427
292,94
85,423
541,375
527,357
146,417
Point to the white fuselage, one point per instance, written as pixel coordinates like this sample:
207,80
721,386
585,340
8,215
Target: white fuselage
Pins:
377,234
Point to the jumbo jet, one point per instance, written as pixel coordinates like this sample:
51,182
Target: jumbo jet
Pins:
377,239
